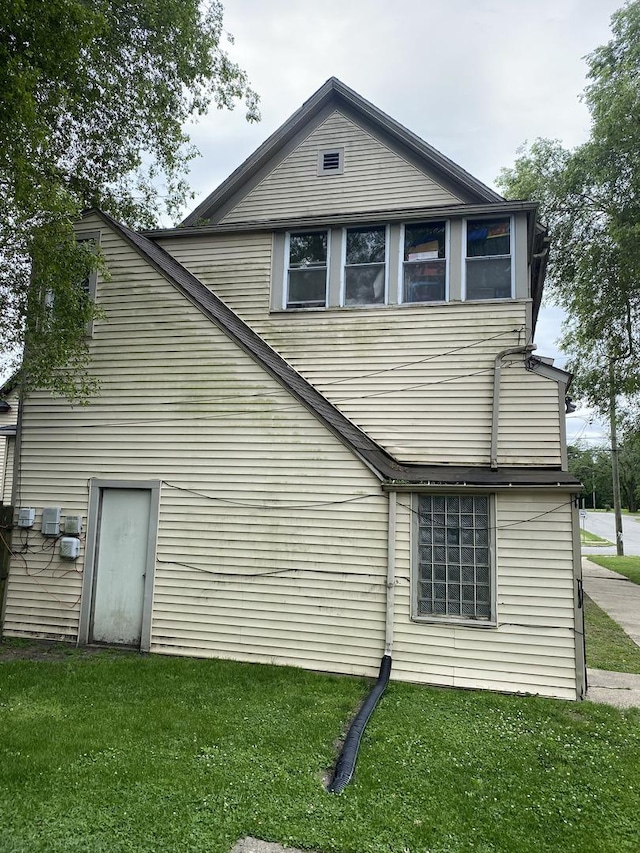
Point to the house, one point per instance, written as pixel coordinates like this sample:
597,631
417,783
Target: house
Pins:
323,433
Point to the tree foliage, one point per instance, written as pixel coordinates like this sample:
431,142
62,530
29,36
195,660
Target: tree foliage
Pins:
590,199
592,466
94,96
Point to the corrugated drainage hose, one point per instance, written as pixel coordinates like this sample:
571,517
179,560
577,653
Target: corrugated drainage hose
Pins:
347,760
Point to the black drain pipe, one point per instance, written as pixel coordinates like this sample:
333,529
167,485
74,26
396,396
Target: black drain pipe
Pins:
347,760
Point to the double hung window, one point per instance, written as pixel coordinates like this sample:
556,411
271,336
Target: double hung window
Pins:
425,263
307,270
365,266
453,565
488,261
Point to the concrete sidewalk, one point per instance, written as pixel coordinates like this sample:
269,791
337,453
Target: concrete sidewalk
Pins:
620,599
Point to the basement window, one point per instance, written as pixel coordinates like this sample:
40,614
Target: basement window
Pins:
454,578
331,161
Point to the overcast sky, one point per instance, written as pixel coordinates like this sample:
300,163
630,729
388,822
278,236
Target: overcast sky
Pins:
474,78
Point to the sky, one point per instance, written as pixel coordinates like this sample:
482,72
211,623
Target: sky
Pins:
474,78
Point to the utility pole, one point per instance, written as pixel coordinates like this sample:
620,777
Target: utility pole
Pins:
614,459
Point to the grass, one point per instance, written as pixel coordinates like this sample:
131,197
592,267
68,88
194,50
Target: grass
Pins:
627,566
117,753
608,647
588,538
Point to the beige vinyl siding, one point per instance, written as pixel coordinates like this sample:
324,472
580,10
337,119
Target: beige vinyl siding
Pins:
277,580
435,405
374,178
531,418
236,267
534,643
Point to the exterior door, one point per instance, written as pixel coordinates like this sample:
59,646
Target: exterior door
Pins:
120,567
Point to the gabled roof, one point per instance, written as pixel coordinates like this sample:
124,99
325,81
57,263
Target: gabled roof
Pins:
376,457
334,94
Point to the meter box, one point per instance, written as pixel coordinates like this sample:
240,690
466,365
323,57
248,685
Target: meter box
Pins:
51,521
26,516
69,548
73,525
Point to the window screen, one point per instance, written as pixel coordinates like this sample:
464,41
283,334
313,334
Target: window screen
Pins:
365,266
425,265
307,273
489,258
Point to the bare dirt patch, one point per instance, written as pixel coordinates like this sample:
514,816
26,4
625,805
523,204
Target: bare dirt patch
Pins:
51,650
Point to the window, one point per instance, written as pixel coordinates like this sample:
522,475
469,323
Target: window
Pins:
365,266
488,261
453,566
425,264
307,270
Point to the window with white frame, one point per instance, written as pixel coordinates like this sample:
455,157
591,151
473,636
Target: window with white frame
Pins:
424,263
365,266
307,270
453,571
488,258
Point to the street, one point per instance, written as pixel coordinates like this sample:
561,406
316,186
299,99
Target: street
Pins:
603,524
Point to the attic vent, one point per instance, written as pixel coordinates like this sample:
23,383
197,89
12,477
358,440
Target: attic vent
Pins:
331,161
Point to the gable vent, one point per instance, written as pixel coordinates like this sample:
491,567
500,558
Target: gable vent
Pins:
331,161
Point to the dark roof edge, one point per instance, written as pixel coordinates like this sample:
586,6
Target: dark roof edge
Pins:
422,476
10,384
336,88
388,215
240,333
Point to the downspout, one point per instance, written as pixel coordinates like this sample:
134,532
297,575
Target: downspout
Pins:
391,575
347,761
495,415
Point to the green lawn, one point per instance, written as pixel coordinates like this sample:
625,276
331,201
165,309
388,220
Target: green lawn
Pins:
588,538
122,752
628,566
608,647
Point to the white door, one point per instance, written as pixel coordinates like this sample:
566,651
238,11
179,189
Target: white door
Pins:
120,566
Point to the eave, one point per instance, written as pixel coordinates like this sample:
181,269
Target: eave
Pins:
371,217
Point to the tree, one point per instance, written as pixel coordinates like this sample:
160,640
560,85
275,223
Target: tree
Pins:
592,466
630,470
590,199
94,95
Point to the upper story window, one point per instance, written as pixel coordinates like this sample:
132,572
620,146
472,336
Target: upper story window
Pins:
307,270
488,259
425,263
365,266
428,262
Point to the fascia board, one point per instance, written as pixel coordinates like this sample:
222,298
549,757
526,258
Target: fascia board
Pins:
394,215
